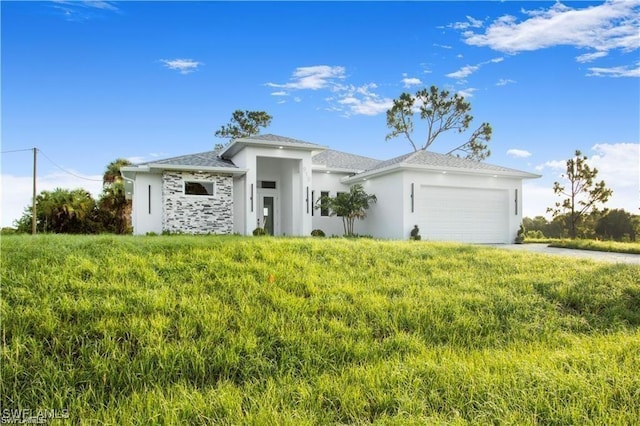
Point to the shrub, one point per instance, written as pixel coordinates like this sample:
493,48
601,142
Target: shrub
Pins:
415,233
534,234
318,233
167,232
520,235
259,232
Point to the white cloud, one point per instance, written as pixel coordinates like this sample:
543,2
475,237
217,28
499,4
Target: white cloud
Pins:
81,11
469,23
313,78
504,82
347,99
518,153
618,164
367,106
621,71
588,57
184,66
137,159
280,93
553,165
107,5
444,46
17,190
411,81
612,25
464,72
361,100
467,70
467,93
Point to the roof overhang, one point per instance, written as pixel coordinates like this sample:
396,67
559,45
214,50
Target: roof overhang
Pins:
239,144
512,174
159,168
321,168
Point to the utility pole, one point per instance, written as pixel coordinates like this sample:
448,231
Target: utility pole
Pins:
33,202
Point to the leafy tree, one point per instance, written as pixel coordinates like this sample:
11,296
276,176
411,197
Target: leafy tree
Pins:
61,211
537,224
540,227
115,209
112,173
442,112
244,124
583,193
349,205
616,224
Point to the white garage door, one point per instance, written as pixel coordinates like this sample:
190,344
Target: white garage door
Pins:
463,214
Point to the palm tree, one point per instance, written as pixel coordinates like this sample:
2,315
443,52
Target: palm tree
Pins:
112,173
113,201
348,205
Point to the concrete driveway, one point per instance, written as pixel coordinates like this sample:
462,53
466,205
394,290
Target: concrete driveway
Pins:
601,256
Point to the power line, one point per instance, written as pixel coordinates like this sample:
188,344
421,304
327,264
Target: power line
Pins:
52,162
16,150
67,171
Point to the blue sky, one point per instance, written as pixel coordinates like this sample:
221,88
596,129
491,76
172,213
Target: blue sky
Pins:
87,82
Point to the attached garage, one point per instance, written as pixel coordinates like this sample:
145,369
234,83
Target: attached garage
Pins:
471,215
448,198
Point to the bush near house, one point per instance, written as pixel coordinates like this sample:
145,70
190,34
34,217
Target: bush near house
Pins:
259,232
236,330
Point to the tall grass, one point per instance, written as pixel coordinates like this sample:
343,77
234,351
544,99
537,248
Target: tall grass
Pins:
235,330
597,245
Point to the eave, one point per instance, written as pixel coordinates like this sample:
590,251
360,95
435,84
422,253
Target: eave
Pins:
514,174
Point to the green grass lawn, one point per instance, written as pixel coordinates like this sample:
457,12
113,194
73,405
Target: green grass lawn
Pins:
610,246
233,330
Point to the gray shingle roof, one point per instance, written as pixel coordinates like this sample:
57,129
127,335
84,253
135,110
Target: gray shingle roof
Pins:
391,162
342,160
426,158
279,139
202,159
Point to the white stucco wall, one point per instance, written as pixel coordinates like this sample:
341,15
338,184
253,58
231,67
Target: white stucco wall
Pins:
391,217
385,218
453,180
146,214
240,201
323,181
285,172
290,167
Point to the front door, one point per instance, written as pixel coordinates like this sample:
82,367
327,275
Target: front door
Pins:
268,213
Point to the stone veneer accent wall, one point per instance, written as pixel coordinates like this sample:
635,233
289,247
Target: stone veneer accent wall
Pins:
197,214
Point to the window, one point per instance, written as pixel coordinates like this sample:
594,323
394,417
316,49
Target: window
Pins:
324,211
313,202
199,188
268,184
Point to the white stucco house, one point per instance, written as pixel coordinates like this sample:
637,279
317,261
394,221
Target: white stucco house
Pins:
274,182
